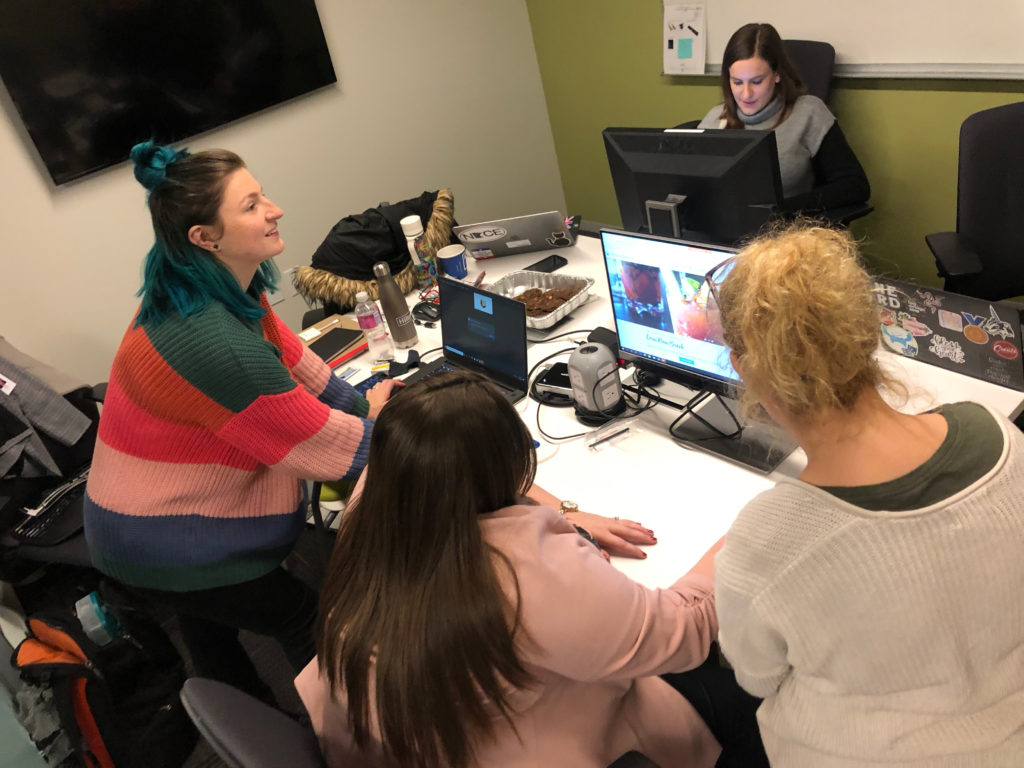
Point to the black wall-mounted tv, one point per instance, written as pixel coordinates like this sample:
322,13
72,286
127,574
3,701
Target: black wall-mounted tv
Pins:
90,78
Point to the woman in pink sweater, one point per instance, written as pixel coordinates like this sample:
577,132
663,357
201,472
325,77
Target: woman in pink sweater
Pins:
462,624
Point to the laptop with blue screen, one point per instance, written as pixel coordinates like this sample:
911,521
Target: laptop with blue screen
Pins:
481,332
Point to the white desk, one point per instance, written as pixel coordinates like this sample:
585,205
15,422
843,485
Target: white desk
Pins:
689,498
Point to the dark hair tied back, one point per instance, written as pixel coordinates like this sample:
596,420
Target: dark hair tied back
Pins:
151,161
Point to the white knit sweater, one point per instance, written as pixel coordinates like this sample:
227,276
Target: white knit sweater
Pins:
882,638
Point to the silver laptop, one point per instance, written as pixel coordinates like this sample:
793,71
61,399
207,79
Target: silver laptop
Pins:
522,234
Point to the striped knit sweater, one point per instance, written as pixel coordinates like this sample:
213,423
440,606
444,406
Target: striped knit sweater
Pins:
208,425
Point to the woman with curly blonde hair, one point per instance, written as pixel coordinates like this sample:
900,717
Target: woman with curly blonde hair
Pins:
873,602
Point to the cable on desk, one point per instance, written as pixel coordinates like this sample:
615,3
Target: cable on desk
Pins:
587,331
643,389
690,410
635,408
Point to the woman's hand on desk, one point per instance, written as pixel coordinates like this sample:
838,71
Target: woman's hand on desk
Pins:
616,536
379,394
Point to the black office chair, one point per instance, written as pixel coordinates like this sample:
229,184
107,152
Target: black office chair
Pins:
814,61
246,733
984,257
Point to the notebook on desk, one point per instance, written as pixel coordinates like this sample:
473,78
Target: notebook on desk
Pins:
522,234
481,332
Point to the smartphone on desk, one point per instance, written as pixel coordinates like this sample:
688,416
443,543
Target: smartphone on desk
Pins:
548,264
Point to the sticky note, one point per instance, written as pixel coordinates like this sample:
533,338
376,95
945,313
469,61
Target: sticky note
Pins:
684,48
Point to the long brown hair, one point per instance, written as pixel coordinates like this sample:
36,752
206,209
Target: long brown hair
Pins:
412,604
761,41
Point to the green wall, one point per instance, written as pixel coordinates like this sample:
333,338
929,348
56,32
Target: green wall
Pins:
600,64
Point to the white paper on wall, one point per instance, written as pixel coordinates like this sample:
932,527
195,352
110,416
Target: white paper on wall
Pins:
684,37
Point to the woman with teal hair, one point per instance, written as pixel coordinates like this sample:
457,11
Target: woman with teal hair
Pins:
215,413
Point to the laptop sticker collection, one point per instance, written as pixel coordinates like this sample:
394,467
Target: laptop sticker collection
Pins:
959,333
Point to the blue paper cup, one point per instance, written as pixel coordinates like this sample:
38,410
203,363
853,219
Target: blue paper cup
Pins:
452,259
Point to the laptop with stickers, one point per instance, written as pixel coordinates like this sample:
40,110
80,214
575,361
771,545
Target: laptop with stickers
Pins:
521,234
481,332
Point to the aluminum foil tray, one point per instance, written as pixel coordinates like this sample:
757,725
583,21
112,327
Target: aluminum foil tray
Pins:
515,283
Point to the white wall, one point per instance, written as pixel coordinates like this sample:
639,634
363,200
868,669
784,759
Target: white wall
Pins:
429,94
882,38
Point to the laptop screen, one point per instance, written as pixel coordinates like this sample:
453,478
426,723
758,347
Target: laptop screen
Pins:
484,331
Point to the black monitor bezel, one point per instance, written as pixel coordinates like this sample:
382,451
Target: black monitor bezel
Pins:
446,287
689,377
758,446
725,203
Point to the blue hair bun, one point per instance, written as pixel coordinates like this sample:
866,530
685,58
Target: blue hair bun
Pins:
151,161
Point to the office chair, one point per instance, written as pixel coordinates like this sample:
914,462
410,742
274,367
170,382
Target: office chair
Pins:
814,61
245,732
984,256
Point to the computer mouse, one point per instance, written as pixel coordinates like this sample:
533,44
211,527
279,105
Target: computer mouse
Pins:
426,311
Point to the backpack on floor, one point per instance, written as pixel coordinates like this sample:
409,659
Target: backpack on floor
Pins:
119,702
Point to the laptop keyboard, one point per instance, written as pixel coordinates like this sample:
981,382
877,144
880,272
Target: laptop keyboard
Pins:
442,368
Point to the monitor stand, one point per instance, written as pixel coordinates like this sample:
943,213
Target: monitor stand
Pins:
711,423
689,235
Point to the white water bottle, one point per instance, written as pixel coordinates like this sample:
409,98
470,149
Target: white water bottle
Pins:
422,262
372,323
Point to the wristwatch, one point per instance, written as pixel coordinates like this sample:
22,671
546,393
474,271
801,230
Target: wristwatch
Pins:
572,506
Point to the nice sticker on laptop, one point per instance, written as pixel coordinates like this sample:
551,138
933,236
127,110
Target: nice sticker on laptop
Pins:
521,234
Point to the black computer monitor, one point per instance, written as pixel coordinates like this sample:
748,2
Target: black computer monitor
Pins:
659,301
710,185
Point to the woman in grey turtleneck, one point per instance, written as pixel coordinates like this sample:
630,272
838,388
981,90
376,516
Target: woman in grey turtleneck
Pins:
763,91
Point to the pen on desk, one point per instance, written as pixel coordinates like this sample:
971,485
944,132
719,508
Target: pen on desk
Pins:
479,279
606,438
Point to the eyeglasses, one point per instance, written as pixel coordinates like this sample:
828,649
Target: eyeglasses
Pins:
712,305
714,279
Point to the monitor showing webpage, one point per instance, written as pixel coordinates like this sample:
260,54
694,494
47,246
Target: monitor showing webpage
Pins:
659,298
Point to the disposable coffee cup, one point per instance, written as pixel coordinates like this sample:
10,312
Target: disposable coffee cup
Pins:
453,261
